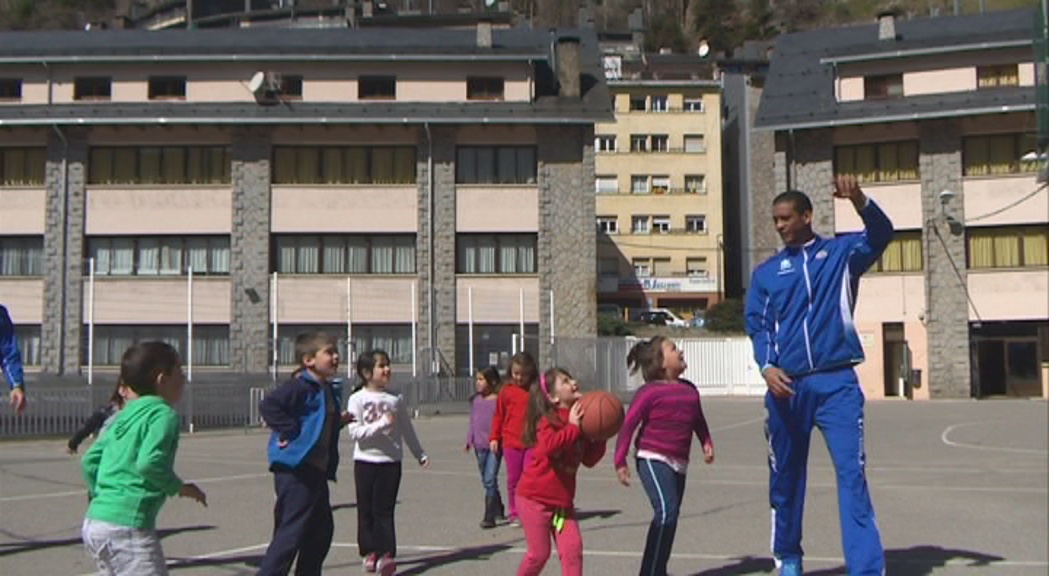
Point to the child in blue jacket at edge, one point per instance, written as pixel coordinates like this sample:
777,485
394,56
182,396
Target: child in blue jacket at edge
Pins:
303,451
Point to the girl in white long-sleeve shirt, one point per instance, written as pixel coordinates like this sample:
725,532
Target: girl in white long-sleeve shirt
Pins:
381,427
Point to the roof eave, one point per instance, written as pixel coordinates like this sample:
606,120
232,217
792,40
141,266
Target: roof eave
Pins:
665,83
896,118
316,120
290,57
931,51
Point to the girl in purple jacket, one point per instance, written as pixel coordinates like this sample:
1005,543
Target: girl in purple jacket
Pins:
482,410
669,411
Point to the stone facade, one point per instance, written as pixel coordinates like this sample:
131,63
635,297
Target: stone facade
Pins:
64,259
946,299
813,166
250,251
763,186
436,344
567,250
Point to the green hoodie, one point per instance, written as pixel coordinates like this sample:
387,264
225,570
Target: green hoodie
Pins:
129,471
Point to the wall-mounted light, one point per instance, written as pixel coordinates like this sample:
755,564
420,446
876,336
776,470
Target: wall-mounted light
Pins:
253,295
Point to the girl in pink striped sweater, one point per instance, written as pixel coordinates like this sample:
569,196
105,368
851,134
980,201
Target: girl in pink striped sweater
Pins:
669,412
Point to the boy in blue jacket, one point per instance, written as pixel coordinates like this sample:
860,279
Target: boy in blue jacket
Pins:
799,318
303,451
11,361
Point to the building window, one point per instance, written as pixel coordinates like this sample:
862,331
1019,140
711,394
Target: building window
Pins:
29,343
639,185
386,165
160,165
661,184
1008,247
395,339
22,166
903,254
693,104
1000,154
21,255
639,143
695,144
496,253
159,255
496,165
10,89
696,224
377,88
344,254
492,344
695,184
638,104
210,342
885,162
883,86
608,225
661,224
660,143
639,225
605,143
92,88
642,267
996,76
606,185
661,268
290,87
167,87
697,267
660,104
485,88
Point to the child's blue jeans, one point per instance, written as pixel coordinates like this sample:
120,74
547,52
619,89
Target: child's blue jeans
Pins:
488,463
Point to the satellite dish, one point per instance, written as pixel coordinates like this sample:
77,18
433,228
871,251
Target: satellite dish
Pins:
257,83
704,49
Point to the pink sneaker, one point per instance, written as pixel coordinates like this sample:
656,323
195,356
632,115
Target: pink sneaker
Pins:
386,566
370,562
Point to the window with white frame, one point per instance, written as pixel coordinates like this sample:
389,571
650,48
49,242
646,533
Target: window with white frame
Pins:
696,224
606,185
660,143
661,224
661,267
637,104
695,144
693,104
697,267
605,143
661,184
639,142
695,184
639,224
21,255
608,225
639,184
642,267
495,165
159,255
30,344
344,254
660,103
210,342
496,253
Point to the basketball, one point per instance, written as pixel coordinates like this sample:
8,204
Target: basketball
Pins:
602,415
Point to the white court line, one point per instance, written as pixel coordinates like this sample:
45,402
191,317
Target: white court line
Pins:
49,495
947,432
192,559
738,424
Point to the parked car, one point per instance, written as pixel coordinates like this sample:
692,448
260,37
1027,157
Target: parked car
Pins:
662,317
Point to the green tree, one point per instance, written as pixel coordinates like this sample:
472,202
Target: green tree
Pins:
665,31
726,317
717,22
612,325
759,24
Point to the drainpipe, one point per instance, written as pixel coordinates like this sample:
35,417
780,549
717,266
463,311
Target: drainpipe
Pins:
431,330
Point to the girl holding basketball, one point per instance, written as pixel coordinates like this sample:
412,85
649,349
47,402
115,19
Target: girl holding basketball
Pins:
546,493
508,424
668,410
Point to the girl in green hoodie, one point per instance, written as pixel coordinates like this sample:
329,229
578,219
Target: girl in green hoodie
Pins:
129,471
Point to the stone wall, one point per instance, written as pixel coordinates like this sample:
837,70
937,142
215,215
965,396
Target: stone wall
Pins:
249,335
813,171
946,300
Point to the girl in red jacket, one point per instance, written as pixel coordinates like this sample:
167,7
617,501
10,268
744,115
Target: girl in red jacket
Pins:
546,494
508,424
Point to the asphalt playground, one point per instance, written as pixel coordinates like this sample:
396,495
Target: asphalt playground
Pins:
960,487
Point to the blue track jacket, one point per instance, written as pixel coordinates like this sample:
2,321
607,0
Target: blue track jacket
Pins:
10,357
295,412
800,303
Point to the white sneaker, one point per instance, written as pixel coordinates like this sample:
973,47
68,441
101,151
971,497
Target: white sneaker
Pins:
386,566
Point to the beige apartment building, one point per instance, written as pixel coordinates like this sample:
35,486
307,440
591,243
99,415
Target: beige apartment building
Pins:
658,186
937,117
424,191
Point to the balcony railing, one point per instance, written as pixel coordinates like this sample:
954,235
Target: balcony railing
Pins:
655,192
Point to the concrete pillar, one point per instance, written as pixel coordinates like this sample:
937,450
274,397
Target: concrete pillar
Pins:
437,343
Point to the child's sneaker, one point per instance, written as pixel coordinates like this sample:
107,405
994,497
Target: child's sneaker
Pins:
386,566
790,568
370,561
515,522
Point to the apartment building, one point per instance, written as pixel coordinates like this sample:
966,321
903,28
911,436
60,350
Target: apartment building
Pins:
936,116
658,185
415,190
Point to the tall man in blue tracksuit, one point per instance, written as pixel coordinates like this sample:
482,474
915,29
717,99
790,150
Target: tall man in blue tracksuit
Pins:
799,318
11,361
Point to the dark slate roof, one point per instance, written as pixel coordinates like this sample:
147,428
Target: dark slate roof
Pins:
110,45
799,91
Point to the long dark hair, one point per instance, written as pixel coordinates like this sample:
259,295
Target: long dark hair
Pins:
529,369
144,362
540,406
116,397
366,365
647,357
491,376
